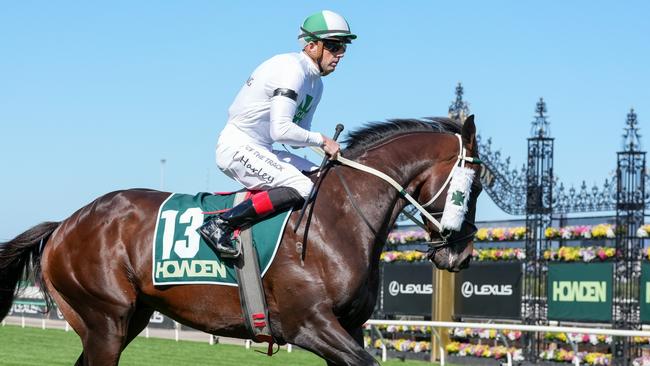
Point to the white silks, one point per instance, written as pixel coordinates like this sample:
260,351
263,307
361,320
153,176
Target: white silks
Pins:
457,198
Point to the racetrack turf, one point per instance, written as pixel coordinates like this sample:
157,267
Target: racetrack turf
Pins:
38,347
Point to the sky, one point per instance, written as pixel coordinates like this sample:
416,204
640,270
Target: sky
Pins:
93,95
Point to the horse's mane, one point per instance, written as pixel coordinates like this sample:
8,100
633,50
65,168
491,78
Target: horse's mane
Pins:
372,133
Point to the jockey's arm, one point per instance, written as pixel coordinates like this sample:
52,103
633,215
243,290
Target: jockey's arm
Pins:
283,130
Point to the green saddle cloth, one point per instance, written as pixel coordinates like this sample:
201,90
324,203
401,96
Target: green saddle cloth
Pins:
181,256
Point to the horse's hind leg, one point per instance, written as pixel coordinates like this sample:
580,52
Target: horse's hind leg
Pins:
101,318
137,323
106,333
139,320
99,346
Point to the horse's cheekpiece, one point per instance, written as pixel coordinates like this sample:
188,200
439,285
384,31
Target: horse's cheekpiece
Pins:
180,256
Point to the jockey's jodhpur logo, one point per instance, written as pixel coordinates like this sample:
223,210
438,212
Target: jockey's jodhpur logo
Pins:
303,109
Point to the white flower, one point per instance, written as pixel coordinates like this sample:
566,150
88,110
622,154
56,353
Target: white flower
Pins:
518,355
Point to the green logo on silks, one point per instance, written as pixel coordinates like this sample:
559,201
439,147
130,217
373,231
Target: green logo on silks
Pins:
303,109
458,198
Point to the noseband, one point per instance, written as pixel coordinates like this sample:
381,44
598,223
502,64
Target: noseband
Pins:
444,233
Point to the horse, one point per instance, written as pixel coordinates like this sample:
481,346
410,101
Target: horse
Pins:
96,264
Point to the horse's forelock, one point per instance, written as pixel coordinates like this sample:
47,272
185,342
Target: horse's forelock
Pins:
374,133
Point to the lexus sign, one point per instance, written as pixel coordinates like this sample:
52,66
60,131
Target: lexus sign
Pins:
407,288
489,290
468,289
395,288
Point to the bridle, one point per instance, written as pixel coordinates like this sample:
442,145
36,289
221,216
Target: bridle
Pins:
444,233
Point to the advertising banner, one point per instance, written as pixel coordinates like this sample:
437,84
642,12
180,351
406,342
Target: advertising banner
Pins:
407,288
580,291
489,290
645,293
31,304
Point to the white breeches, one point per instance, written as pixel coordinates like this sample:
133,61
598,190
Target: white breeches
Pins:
258,168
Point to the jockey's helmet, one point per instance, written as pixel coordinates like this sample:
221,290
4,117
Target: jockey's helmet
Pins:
325,24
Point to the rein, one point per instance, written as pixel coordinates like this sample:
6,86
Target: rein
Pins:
444,234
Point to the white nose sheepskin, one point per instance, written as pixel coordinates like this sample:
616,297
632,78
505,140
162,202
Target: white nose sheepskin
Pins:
457,197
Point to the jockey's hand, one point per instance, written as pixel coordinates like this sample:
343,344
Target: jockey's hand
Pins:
331,147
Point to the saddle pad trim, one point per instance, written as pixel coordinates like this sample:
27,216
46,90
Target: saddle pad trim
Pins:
277,244
198,282
153,240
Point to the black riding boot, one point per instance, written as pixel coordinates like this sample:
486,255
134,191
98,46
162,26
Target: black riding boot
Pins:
218,230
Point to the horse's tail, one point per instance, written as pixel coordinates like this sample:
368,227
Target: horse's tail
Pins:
20,258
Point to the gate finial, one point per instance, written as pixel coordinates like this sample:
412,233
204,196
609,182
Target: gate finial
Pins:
541,126
459,109
631,136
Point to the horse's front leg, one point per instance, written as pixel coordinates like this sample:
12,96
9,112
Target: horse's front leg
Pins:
322,334
357,335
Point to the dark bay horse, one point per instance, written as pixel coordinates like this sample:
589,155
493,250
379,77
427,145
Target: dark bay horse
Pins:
96,264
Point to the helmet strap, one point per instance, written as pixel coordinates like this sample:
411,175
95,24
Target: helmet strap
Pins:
319,51
319,57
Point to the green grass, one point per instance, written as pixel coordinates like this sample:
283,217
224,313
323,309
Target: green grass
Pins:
38,347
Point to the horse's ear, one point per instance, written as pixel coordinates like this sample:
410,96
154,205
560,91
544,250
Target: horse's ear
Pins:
468,131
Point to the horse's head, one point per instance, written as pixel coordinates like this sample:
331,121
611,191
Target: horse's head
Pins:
452,243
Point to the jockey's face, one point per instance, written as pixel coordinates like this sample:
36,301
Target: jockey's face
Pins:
332,52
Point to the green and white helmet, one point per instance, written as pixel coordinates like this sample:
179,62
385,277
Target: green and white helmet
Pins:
325,24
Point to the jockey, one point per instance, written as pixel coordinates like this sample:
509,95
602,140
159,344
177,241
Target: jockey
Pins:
276,104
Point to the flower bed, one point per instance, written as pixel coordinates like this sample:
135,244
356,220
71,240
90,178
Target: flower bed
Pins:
590,358
641,361
643,231
407,236
501,234
579,338
482,350
600,231
646,253
402,345
484,234
577,232
641,340
498,254
480,255
579,254
404,256
416,330
512,335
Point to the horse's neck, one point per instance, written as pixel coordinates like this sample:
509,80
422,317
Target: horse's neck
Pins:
377,200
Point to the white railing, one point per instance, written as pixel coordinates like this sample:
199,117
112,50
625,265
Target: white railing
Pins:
520,327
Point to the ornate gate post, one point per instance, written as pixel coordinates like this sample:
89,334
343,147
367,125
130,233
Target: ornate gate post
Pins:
539,208
630,210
